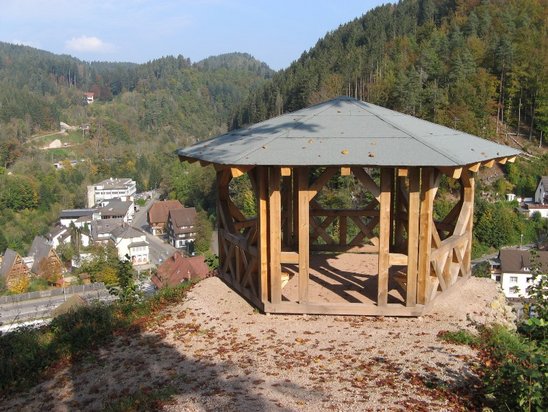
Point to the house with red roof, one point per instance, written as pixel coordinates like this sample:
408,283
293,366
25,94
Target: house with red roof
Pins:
158,213
178,269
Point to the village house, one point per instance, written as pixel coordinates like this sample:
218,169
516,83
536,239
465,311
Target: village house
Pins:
78,216
101,229
514,273
118,209
131,242
113,188
178,269
45,260
59,235
13,271
158,213
540,204
88,97
181,230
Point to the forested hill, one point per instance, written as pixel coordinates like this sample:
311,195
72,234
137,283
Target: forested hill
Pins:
463,63
38,89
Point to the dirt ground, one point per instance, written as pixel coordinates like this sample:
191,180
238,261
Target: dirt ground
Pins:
214,352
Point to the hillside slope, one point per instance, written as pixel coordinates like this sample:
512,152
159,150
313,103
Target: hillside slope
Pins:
214,352
472,65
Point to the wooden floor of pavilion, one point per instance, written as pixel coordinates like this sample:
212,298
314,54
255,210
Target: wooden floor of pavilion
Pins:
343,278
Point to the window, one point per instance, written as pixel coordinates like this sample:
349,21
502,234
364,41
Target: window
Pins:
497,278
513,279
529,280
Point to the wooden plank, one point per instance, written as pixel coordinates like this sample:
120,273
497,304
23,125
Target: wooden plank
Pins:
448,244
187,159
349,248
397,259
286,171
343,212
322,180
384,235
391,309
413,236
345,171
403,171
425,234
237,172
512,159
263,232
275,241
469,191
304,233
475,167
366,181
502,160
453,172
290,257
489,164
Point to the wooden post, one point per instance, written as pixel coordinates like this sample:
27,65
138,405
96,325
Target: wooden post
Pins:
413,210
275,241
262,216
469,197
384,235
287,210
425,234
304,232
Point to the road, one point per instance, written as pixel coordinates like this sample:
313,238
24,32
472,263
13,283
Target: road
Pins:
158,249
42,307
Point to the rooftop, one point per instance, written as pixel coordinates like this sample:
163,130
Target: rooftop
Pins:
114,183
346,131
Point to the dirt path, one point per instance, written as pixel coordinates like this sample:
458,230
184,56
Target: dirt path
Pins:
213,352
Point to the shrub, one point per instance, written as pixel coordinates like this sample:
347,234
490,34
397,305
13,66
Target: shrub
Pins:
515,371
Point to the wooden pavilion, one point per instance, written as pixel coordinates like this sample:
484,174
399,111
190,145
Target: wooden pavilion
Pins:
290,257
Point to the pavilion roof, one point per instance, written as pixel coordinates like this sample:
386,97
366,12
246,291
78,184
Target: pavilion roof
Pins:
346,131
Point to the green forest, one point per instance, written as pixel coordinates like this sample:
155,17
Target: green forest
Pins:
474,65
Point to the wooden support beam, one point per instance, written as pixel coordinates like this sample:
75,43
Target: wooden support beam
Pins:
286,171
428,192
397,259
187,159
275,241
502,160
413,236
366,181
403,171
262,216
391,309
489,164
291,258
512,159
304,196
474,167
453,172
345,171
322,180
384,235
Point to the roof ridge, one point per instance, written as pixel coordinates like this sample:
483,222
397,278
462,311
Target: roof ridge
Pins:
286,132
408,133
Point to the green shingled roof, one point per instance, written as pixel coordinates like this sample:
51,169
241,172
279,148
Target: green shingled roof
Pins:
346,131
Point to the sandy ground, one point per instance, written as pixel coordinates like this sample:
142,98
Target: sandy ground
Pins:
214,352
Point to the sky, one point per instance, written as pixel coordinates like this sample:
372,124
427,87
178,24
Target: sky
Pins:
273,31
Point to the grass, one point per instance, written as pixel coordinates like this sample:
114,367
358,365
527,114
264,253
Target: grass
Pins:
144,400
460,337
28,353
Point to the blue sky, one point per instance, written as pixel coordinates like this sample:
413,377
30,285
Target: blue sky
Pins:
275,31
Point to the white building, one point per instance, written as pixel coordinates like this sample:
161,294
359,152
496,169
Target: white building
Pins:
515,271
113,188
132,242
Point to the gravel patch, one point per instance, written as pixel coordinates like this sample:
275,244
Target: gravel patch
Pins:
214,352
